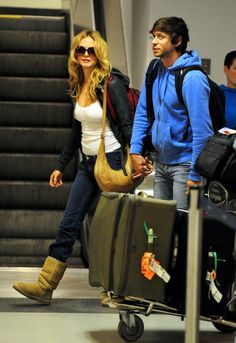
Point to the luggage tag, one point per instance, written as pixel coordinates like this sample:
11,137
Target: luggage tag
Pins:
148,273
227,131
149,265
213,290
157,269
211,278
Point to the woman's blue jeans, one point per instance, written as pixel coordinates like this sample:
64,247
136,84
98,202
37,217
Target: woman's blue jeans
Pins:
84,190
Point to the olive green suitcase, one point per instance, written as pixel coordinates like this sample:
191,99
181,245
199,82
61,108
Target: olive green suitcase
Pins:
102,233
124,228
138,216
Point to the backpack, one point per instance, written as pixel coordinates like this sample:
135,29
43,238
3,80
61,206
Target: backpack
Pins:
217,160
133,98
216,100
132,94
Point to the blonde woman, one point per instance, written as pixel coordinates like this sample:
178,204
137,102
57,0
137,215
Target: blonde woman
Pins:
88,67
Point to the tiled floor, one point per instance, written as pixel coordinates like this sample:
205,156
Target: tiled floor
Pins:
75,315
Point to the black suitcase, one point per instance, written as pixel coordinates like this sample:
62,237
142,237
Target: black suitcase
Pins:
217,255
119,239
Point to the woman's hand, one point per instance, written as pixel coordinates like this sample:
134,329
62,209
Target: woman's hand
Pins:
142,166
56,179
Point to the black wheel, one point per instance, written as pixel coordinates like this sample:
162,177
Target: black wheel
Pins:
224,328
131,334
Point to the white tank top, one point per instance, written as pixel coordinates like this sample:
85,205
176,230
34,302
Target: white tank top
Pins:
91,122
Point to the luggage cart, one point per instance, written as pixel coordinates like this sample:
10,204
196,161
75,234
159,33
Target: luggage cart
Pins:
131,326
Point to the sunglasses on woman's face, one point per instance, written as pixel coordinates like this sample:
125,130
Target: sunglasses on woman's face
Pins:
81,50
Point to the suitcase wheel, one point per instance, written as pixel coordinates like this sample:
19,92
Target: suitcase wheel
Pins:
131,334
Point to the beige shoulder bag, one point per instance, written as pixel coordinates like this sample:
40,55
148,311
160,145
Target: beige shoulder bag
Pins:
108,179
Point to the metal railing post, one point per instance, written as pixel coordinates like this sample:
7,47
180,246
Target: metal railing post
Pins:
193,267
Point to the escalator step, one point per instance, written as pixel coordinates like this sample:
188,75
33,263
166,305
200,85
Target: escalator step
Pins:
32,167
17,113
29,247
29,223
32,65
33,89
33,23
34,42
33,195
28,139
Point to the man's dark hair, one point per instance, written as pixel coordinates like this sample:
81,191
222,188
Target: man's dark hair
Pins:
175,27
229,58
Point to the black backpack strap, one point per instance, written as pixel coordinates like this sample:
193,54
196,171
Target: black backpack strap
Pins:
151,75
179,79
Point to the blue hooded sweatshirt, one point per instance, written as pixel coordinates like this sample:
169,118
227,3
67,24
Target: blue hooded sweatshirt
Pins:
230,111
171,118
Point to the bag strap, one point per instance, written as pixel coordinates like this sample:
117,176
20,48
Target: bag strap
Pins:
179,79
104,109
151,75
104,114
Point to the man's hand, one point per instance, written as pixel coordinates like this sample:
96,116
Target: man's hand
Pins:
192,183
56,179
142,166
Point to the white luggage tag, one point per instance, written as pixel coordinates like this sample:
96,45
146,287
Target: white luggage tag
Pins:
157,269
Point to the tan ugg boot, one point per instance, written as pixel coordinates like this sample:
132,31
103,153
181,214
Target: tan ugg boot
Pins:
48,280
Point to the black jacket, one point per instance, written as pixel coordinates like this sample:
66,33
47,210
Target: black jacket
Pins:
121,128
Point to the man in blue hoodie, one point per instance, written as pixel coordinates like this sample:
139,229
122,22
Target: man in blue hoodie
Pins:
176,152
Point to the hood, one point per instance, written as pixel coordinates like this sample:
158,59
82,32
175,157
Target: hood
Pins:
189,58
116,72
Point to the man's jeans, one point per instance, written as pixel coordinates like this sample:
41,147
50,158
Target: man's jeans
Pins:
170,182
84,190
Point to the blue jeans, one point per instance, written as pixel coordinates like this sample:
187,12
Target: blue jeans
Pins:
84,190
170,182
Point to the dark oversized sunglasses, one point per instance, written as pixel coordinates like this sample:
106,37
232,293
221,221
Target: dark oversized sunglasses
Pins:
80,50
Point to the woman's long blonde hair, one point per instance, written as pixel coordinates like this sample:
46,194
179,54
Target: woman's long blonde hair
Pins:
101,70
